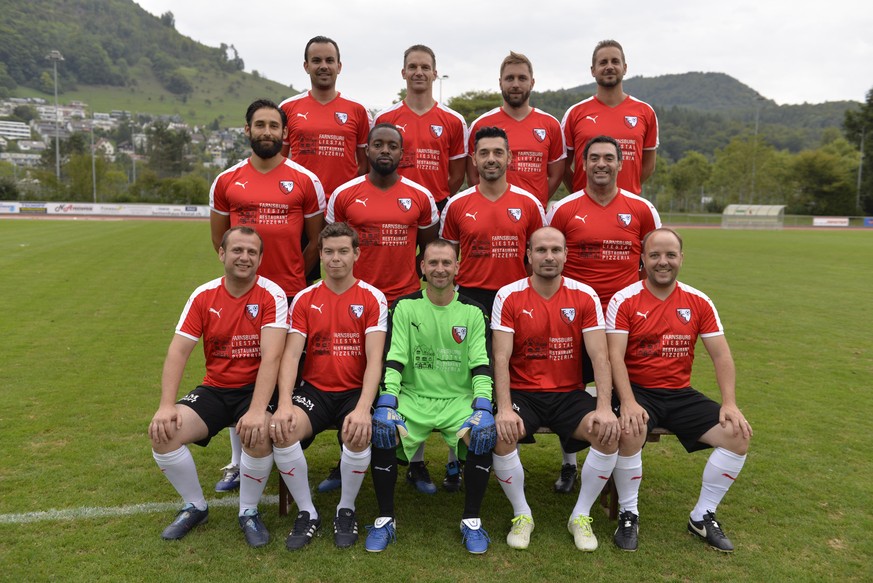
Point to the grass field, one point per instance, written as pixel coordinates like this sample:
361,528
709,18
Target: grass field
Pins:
89,309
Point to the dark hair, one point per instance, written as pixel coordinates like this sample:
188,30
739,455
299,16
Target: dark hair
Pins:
419,49
320,39
440,243
338,230
490,132
602,45
242,230
264,104
602,140
385,126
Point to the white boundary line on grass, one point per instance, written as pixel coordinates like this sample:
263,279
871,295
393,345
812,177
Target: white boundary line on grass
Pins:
112,511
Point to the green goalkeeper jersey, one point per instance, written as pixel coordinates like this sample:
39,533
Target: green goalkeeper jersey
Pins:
438,351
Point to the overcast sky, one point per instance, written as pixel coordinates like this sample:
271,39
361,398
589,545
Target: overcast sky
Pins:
789,51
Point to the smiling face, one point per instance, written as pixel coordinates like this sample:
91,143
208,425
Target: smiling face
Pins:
602,165
338,256
241,256
662,259
608,68
440,266
492,158
419,72
323,65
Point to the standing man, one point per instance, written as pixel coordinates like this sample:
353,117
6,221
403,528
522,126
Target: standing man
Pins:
242,320
652,327
435,152
391,214
282,200
538,152
342,322
327,132
604,226
437,376
611,112
540,325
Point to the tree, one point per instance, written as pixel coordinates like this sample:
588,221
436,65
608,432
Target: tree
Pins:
858,128
472,104
166,150
687,177
168,19
750,171
824,180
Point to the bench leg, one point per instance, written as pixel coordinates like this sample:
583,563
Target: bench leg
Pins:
609,499
284,498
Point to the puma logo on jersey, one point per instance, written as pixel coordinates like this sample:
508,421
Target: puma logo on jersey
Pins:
593,118
528,312
362,201
402,128
416,326
644,316
303,115
242,184
472,215
216,312
314,307
580,218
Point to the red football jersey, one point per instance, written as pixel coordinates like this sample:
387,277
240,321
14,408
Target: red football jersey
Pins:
387,223
547,334
429,142
275,205
325,138
604,243
492,235
661,334
535,142
632,123
231,328
335,327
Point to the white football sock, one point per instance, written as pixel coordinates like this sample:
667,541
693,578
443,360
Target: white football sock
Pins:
295,472
179,468
510,473
720,471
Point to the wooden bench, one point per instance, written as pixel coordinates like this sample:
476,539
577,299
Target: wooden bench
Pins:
608,498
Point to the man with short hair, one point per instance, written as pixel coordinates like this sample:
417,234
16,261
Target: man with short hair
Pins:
342,322
437,376
604,226
538,152
540,325
652,327
242,320
611,112
435,151
391,214
283,200
327,132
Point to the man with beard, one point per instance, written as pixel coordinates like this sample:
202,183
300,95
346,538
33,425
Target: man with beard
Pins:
391,214
538,152
540,326
282,200
611,112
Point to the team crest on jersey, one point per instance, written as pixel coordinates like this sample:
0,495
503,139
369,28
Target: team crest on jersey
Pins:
624,219
404,203
631,121
340,117
436,131
356,310
539,134
568,315
459,333
252,311
514,214
286,185
684,314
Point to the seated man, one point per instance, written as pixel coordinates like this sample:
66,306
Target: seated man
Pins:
242,319
652,327
341,321
540,325
437,376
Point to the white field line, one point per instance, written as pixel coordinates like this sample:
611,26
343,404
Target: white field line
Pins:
88,512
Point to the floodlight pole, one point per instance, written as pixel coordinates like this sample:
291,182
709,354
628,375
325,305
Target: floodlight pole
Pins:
758,101
440,79
93,161
860,170
54,57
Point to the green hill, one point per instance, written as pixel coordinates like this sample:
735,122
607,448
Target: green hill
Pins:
118,56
